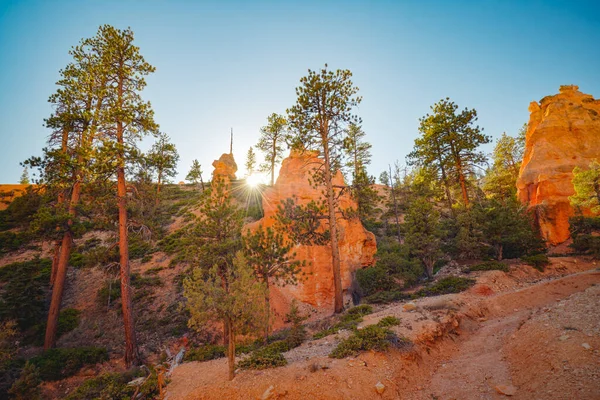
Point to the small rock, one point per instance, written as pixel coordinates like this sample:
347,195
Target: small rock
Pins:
379,387
409,306
269,393
507,390
563,338
586,346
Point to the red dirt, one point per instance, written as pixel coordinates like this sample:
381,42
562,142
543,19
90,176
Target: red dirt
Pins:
504,331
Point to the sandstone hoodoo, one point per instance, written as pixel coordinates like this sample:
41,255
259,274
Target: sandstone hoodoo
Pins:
225,167
357,245
563,133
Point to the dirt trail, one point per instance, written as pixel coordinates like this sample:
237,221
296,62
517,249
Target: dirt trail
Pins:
513,338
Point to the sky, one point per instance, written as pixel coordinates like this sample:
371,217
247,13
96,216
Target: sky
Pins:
229,64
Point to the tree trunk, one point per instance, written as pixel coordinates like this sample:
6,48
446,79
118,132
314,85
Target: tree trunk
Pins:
60,201
231,349
446,185
273,158
60,273
461,175
335,250
131,350
268,310
202,182
499,250
158,187
395,205
429,269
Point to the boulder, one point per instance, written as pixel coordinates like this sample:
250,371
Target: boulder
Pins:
357,245
563,132
225,167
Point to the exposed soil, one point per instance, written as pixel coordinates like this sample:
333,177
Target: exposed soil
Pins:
534,335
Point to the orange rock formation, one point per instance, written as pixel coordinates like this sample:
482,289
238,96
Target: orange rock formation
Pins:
225,167
357,245
10,192
563,132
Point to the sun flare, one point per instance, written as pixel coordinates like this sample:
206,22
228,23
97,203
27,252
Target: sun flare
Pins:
254,180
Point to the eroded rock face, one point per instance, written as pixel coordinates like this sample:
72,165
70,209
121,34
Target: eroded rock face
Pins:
357,245
563,132
225,167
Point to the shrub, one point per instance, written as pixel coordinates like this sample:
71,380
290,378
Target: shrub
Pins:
386,297
11,241
489,266
68,320
537,261
56,364
27,387
25,290
450,284
371,337
297,333
269,356
374,279
205,353
105,386
388,321
348,321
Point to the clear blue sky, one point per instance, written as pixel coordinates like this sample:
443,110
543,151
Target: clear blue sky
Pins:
229,64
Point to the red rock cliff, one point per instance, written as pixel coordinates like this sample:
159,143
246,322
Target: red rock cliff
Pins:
563,132
357,245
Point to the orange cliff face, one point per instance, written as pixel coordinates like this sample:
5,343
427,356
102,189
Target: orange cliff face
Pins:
563,132
10,192
357,245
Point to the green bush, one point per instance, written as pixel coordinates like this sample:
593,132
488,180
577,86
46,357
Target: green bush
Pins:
106,386
489,266
27,387
386,297
11,241
388,321
269,356
56,364
347,321
374,279
450,284
372,337
205,353
68,320
537,261
25,290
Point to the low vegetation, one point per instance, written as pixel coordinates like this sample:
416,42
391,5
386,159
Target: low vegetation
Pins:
372,337
537,261
488,266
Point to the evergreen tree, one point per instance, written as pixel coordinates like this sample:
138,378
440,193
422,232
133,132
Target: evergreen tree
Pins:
322,110
500,180
271,142
24,180
586,183
163,158
250,161
359,156
449,141
423,233
231,295
195,174
270,254
125,120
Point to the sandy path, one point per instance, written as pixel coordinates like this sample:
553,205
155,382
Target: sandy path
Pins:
489,351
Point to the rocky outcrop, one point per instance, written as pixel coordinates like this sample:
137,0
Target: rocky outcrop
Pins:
357,245
563,132
225,167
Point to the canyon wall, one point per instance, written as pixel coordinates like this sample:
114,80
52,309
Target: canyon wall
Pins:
563,132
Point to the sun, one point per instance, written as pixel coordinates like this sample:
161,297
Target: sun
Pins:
254,180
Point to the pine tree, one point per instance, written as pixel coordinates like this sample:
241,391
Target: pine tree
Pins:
24,180
359,156
423,234
163,158
127,118
250,161
501,179
450,141
232,295
323,107
272,139
195,174
270,255
586,183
